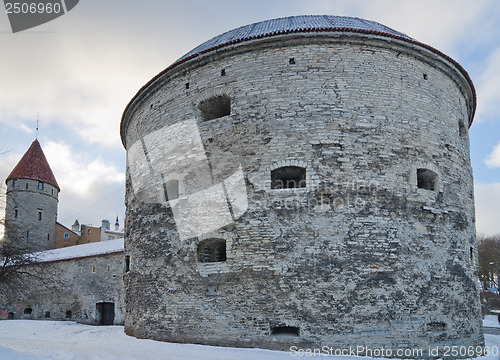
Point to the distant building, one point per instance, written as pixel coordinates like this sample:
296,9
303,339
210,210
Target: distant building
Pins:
84,234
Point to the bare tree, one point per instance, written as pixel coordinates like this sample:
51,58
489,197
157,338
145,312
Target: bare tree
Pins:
489,260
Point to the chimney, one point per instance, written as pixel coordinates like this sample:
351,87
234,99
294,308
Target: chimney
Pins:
105,224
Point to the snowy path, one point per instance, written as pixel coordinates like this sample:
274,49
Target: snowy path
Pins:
53,340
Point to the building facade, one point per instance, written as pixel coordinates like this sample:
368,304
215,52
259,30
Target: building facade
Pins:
358,227
82,283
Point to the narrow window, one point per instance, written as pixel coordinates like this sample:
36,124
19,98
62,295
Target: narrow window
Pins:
28,234
291,61
436,326
15,183
462,129
285,330
212,250
66,235
40,185
39,216
47,314
426,179
26,186
69,314
52,191
48,237
424,76
288,177
108,267
471,255
223,72
89,231
171,188
93,269
15,213
187,85
127,263
215,107
79,270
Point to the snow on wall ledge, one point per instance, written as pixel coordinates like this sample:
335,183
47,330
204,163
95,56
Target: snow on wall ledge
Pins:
81,251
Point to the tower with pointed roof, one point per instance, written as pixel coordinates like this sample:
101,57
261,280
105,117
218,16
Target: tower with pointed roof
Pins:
32,199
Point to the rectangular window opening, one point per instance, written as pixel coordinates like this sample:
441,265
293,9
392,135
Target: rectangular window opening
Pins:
436,326
284,330
426,179
127,263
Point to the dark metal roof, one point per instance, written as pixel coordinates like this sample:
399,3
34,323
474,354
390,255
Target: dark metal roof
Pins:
291,24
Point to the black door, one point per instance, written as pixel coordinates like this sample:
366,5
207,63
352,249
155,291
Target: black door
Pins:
106,313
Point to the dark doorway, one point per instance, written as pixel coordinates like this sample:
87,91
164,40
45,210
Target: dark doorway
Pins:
105,313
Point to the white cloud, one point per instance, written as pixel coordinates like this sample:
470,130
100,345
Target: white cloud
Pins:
90,188
493,159
488,86
487,199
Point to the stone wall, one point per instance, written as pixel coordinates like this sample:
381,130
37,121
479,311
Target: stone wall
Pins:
32,212
71,290
365,253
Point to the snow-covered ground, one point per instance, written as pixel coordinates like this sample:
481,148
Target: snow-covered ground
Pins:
54,340
491,321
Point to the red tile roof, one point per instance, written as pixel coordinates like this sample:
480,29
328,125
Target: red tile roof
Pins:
34,165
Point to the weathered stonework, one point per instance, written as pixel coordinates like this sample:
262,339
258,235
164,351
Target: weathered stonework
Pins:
73,289
369,252
32,212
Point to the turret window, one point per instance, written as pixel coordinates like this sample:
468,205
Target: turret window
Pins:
215,107
40,185
39,216
15,183
212,250
288,177
426,179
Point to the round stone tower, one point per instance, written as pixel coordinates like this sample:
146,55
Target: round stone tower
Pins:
31,201
303,181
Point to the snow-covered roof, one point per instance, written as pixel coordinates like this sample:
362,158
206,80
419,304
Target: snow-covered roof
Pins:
81,251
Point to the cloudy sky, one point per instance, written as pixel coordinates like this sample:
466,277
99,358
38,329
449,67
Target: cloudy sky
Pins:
79,71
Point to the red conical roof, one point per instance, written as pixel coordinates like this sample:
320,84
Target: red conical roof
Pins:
33,165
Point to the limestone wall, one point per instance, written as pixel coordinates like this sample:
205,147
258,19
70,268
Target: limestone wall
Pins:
32,213
362,255
71,290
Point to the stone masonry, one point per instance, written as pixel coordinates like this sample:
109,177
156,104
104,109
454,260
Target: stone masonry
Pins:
377,248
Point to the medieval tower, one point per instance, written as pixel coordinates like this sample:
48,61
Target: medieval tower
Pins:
31,201
303,181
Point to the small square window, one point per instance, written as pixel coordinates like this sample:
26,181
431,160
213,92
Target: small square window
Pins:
66,235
